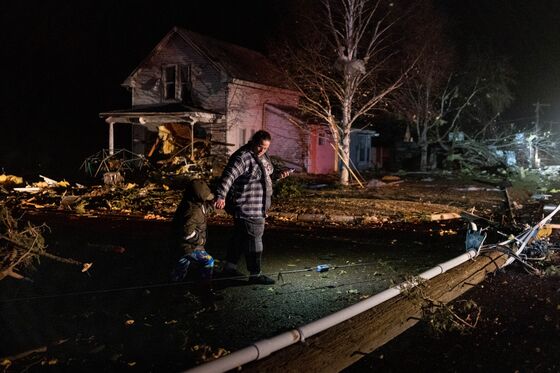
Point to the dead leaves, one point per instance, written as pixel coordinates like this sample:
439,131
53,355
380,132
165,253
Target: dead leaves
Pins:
204,353
10,179
462,316
154,217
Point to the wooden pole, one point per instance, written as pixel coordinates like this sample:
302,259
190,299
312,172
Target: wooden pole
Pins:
347,166
342,345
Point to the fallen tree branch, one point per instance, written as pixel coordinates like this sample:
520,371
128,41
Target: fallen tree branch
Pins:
25,354
18,247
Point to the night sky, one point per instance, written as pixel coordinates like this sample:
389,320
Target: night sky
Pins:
64,61
528,33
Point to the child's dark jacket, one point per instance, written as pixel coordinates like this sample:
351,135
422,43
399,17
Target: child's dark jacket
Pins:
189,221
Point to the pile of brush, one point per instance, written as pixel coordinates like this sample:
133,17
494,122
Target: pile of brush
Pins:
22,247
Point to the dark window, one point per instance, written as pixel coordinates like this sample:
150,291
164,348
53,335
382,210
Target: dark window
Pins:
321,137
363,150
169,82
186,84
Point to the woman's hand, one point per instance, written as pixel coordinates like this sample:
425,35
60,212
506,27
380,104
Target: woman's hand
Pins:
286,173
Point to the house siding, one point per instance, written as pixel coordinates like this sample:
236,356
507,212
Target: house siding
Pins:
321,152
289,140
246,110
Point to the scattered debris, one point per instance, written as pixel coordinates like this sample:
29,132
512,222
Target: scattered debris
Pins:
533,244
10,180
120,160
113,178
7,361
50,182
390,178
461,316
541,197
374,183
19,247
444,216
477,189
204,353
68,202
28,189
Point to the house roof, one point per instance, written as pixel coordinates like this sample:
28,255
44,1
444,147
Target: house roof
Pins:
237,62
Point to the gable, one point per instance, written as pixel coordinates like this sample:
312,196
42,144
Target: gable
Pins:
238,62
234,61
172,49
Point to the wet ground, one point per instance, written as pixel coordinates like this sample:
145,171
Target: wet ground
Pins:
124,313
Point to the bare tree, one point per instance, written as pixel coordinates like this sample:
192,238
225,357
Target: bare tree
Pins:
428,96
341,66
436,99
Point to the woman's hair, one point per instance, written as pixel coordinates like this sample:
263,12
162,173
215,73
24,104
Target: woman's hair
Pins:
260,136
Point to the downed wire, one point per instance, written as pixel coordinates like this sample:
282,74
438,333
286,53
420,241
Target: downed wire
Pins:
507,250
145,287
322,268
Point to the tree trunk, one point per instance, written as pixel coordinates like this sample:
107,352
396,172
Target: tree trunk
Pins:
345,125
345,174
424,156
340,346
422,131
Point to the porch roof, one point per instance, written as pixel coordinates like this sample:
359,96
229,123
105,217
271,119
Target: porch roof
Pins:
155,115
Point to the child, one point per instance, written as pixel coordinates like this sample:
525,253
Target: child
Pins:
189,236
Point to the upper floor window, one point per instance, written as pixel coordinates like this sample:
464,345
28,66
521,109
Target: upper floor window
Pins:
185,93
177,83
170,82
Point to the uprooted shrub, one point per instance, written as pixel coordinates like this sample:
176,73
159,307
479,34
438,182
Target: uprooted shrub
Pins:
288,188
20,248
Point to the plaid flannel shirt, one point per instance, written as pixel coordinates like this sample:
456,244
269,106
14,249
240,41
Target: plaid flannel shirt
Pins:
246,189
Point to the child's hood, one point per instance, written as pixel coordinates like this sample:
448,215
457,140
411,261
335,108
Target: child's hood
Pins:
200,191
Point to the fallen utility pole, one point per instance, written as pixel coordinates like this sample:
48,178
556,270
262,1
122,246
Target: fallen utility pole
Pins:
350,340
359,329
350,333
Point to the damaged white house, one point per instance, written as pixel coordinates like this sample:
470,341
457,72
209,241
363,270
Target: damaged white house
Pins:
207,91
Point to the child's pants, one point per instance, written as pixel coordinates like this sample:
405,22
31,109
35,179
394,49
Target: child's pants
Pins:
199,261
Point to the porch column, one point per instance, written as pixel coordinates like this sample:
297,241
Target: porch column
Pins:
111,139
192,141
191,122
